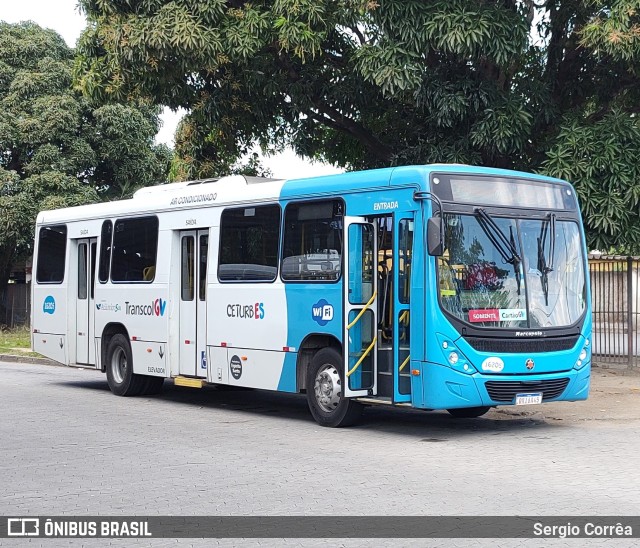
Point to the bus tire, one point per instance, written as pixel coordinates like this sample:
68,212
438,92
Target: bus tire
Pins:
468,412
325,394
122,381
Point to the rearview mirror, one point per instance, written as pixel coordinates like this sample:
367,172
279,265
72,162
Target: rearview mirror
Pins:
435,245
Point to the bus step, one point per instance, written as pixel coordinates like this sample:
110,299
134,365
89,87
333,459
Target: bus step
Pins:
382,401
188,381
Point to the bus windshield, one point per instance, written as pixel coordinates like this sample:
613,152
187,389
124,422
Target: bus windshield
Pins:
512,274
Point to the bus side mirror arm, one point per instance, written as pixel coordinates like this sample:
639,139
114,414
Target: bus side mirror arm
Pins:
435,243
435,226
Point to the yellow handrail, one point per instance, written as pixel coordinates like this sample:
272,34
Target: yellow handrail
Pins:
366,307
364,355
404,364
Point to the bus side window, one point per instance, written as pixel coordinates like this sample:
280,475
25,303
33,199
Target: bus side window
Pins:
105,251
135,248
312,247
52,249
249,243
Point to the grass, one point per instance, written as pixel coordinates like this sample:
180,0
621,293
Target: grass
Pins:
16,342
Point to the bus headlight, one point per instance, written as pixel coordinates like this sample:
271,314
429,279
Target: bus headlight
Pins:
583,358
454,357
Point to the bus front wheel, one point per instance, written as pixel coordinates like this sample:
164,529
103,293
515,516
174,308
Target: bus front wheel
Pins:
468,412
120,377
325,391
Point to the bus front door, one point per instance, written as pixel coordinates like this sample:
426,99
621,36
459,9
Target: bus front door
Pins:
194,245
402,253
360,308
85,307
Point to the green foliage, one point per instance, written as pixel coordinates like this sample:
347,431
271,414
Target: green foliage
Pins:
58,149
614,30
602,157
369,83
200,155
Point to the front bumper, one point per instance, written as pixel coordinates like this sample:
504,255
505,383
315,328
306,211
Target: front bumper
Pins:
444,388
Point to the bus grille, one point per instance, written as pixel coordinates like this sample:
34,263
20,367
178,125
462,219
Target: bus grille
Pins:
506,390
522,346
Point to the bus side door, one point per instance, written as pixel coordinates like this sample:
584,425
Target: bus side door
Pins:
360,307
194,246
85,302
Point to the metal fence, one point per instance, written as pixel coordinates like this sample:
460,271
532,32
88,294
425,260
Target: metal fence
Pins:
15,305
616,308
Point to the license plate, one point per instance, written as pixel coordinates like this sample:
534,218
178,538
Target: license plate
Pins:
529,399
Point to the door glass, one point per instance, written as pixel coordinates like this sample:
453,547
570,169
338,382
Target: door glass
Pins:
361,263
405,245
187,262
202,270
361,350
404,381
92,273
82,271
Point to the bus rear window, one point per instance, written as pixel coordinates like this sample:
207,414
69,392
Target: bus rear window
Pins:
52,247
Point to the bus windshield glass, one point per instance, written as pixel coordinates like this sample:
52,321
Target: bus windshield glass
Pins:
529,276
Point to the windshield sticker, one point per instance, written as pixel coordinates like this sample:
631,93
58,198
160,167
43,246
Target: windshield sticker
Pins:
512,314
487,315
497,315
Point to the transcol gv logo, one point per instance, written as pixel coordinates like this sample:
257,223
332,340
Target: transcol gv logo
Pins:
156,308
322,312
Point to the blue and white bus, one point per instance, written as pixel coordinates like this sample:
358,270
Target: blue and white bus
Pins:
437,287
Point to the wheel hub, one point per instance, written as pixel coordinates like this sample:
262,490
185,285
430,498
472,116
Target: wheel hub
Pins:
328,388
119,365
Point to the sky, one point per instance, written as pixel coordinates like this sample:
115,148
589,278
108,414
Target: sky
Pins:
64,17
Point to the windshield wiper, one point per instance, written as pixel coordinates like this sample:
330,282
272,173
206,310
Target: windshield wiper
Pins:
505,246
516,269
543,266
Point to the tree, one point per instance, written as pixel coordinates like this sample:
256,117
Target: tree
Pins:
56,148
200,153
524,84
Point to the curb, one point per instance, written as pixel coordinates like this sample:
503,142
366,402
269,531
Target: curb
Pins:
27,359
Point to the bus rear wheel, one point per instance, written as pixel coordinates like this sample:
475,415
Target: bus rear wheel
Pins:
468,412
325,391
120,376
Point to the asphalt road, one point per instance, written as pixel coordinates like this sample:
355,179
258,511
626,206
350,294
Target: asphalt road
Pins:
70,447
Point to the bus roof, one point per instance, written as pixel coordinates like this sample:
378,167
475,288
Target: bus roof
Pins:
235,189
